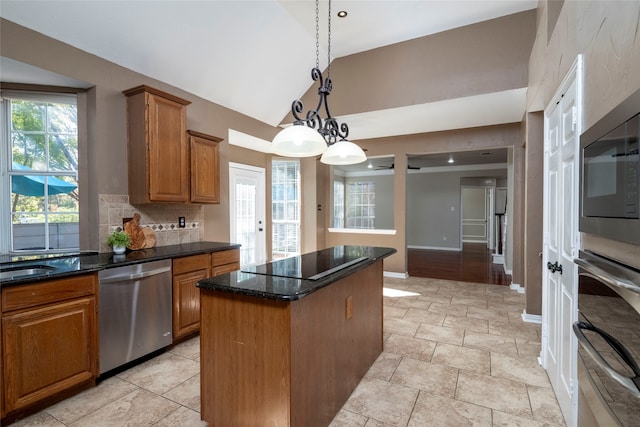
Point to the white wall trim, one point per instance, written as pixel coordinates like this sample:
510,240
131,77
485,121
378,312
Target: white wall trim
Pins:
509,272
250,142
517,287
395,275
497,259
246,167
434,248
459,168
361,231
531,318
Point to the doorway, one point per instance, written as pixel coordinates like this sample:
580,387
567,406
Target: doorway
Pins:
247,212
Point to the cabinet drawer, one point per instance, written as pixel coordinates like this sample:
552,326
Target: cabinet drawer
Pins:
19,297
190,263
227,268
225,257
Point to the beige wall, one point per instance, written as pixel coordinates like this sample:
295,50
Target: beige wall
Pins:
606,33
486,57
533,208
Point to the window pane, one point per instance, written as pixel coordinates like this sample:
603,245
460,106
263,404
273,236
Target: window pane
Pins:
62,118
29,151
285,191
63,151
28,116
360,198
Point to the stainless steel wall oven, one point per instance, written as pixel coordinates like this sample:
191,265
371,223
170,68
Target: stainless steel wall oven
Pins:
608,331
610,174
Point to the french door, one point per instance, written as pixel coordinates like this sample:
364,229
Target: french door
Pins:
247,203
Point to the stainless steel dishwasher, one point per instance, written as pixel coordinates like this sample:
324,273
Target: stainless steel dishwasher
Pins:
135,312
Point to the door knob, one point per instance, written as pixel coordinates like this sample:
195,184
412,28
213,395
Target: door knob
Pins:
554,267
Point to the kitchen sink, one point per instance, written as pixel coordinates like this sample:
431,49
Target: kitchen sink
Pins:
17,272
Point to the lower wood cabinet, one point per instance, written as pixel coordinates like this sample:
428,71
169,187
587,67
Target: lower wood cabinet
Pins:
49,340
187,271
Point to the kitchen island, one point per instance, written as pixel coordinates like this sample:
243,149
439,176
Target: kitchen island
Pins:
286,343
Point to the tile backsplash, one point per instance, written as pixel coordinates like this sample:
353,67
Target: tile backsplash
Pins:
163,220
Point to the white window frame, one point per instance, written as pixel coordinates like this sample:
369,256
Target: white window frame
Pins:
6,229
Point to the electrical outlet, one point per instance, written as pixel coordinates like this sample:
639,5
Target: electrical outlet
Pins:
181,222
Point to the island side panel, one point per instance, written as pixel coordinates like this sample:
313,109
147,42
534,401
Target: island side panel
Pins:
336,335
245,359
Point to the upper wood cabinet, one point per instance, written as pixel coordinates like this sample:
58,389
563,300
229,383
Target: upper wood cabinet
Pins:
157,146
205,167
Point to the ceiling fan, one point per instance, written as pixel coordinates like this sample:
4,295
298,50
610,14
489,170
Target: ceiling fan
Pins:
392,166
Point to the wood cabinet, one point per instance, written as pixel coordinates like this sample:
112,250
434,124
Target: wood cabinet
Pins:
49,340
225,261
205,167
187,271
157,146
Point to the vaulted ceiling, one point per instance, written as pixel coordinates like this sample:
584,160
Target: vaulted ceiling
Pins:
254,57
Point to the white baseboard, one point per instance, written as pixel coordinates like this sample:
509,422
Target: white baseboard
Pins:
434,248
531,318
509,272
395,275
517,287
497,259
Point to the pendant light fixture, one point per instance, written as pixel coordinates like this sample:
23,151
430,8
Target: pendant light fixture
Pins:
311,135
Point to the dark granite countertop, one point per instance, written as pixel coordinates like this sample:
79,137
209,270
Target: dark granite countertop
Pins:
64,265
293,278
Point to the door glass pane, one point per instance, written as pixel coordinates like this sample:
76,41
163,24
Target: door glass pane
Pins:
285,208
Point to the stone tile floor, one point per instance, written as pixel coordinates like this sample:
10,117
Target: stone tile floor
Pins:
455,354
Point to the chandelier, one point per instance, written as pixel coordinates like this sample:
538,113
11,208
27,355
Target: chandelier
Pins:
310,134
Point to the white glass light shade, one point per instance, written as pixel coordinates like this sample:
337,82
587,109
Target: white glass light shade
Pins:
298,141
343,153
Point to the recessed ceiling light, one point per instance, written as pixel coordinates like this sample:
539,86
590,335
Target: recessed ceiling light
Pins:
370,166
342,14
450,159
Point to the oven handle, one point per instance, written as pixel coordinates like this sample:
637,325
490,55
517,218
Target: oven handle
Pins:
598,273
630,383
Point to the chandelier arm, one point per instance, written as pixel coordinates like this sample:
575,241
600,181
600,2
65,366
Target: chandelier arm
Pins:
296,108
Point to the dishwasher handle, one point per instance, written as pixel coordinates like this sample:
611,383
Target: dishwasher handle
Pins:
134,276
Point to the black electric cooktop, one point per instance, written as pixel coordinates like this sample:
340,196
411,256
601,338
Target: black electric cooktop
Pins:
311,266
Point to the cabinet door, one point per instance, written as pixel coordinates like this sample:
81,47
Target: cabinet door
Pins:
205,168
48,350
168,150
186,302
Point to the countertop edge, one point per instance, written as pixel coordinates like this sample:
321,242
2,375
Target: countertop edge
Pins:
222,283
102,261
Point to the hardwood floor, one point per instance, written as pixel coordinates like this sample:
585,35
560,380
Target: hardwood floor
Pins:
472,264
